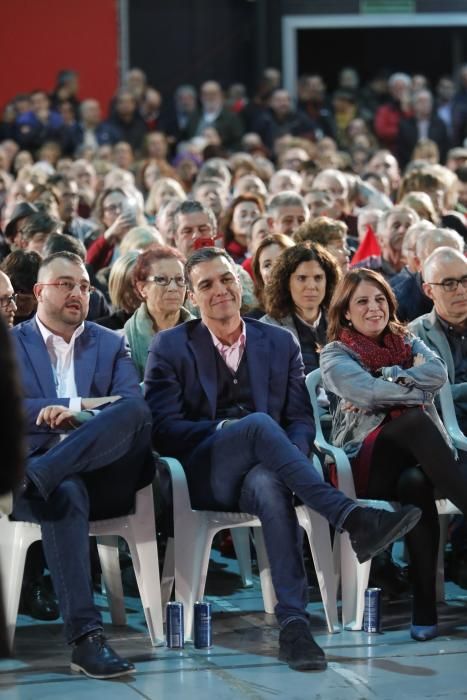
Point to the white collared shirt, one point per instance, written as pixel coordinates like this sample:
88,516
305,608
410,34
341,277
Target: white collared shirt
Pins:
62,356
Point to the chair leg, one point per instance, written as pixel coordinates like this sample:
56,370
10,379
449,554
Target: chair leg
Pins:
107,546
16,537
141,539
267,588
354,580
241,543
317,530
192,551
168,572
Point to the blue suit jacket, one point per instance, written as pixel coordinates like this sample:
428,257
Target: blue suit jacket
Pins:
181,385
103,367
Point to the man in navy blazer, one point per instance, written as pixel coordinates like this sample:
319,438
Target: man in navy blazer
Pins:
88,431
228,398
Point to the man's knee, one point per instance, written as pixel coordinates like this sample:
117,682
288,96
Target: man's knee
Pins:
263,491
260,422
137,409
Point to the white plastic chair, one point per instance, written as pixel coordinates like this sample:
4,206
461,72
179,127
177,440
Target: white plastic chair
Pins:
187,557
354,576
137,528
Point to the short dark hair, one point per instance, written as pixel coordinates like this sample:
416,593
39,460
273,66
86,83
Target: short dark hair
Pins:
192,206
62,255
60,180
39,223
61,242
22,267
204,255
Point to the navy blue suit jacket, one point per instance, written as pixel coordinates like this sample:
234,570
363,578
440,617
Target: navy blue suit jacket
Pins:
103,367
181,385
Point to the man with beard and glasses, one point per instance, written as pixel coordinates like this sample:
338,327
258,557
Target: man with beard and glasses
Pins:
88,431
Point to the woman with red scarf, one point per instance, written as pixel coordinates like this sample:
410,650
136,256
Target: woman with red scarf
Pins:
384,380
236,224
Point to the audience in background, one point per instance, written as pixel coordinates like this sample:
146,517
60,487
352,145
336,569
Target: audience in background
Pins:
293,190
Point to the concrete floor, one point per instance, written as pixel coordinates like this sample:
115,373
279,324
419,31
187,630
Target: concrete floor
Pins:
242,663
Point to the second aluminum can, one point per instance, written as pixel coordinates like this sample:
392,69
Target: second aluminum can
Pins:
372,612
174,630
202,625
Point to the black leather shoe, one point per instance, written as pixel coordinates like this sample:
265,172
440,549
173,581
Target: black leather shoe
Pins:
94,657
389,576
374,529
298,648
38,602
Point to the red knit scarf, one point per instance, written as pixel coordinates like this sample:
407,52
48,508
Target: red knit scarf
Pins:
393,350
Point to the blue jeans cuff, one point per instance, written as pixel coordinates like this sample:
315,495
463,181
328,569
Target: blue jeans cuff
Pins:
302,618
85,632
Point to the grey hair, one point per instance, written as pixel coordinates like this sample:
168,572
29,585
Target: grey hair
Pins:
289,198
438,238
443,254
194,207
414,233
403,77
398,209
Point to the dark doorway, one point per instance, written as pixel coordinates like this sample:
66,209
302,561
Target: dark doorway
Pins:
432,51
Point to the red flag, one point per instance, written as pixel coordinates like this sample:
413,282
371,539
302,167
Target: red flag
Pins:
368,253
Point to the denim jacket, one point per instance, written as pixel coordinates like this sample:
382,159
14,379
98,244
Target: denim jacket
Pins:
344,374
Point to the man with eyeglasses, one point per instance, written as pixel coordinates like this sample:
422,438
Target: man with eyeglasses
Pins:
89,445
444,330
7,300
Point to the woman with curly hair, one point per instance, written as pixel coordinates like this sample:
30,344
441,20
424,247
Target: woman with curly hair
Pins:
297,296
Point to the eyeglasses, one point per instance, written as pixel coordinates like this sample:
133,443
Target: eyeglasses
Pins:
68,286
163,281
5,302
451,284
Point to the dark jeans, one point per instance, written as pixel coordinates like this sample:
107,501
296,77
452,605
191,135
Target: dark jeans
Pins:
251,465
92,474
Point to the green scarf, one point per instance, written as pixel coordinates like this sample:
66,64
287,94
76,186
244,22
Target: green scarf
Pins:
139,332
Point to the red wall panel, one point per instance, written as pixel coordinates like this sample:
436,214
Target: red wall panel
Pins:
40,37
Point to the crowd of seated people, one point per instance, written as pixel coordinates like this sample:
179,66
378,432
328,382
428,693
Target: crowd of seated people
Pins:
306,198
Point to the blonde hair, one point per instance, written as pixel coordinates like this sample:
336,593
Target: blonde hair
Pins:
153,201
121,291
140,237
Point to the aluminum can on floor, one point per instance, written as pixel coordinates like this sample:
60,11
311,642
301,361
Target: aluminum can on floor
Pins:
202,626
372,612
174,625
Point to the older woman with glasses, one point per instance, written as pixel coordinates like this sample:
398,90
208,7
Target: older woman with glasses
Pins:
159,279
